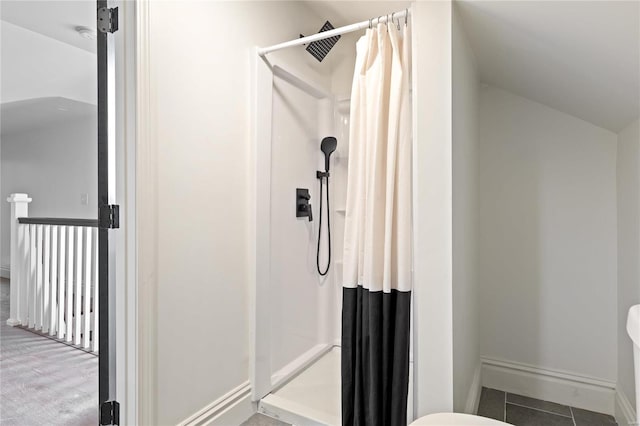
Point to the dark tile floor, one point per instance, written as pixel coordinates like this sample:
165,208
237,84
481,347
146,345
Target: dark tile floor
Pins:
520,410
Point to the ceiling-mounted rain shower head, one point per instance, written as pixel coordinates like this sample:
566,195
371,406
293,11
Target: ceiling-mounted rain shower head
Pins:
328,145
319,49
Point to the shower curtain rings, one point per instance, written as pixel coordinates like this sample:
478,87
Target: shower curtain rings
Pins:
370,23
406,15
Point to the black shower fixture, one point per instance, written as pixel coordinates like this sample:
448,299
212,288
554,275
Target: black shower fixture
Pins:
327,146
303,206
319,49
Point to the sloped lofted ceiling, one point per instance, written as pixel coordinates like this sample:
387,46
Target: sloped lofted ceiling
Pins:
57,19
21,116
579,57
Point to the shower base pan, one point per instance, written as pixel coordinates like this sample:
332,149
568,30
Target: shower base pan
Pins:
312,398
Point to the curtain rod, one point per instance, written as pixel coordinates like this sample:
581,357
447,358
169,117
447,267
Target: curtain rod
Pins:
403,14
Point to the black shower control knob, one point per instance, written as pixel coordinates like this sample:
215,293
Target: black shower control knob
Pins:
303,208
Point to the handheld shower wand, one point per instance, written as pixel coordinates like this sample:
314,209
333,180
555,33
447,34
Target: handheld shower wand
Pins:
327,146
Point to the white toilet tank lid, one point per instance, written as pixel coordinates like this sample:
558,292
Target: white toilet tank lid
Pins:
633,324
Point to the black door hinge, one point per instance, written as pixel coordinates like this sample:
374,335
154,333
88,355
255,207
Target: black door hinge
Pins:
108,20
109,216
110,413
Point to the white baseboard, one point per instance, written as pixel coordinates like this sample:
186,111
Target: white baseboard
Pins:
562,387
625,414
232,408
473,396
5,272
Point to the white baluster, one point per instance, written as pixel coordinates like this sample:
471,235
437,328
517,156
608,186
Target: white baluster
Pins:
46,283
70,252
62,329
53,319
19,208
87,288
23,303
39,301
77,326
31,296
96,323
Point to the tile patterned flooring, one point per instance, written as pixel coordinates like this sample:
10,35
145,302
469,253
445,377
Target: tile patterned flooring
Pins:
520,410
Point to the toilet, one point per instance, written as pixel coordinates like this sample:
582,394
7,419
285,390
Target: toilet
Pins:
455,419
633,328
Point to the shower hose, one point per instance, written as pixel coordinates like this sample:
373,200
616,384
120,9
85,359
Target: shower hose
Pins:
323,273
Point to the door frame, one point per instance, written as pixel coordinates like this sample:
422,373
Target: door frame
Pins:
140,180
119,136
126,321
108,406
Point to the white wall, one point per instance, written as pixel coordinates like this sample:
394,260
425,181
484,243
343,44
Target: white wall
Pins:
466,315
54,164
343,57
628,249
547,237
432,202
200,121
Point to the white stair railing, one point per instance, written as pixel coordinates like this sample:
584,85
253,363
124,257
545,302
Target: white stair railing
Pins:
54,275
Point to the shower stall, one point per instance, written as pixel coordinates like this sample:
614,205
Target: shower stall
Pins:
296,311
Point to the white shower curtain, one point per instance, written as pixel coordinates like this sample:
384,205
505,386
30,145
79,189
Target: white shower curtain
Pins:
377,245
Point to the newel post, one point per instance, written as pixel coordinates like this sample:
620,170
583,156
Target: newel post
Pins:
19,208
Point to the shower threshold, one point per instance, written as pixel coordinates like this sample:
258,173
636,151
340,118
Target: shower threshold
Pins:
312,398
